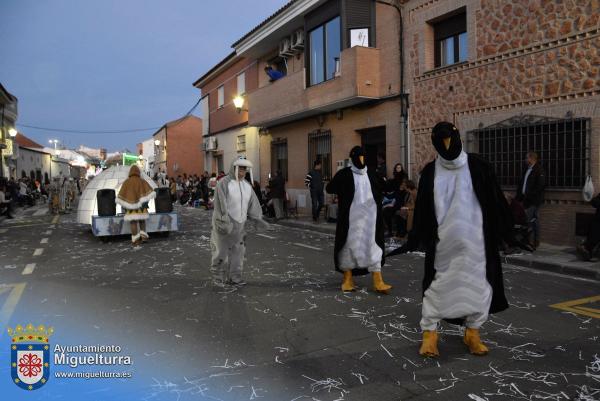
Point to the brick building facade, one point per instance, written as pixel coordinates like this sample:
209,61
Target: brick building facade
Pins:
180,147
356,100
226,133
528,65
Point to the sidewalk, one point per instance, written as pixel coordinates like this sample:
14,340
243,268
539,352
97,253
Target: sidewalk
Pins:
20,213
558,259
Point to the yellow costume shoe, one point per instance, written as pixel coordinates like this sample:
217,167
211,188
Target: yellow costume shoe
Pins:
379,285
348,283
429,345
472,340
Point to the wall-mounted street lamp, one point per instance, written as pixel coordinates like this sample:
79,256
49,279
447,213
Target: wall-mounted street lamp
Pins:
238,102
12,132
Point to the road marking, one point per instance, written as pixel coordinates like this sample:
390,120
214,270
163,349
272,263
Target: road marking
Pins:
55,219
28,269
307,246
265,236
52,226
9,306
38,251
3,230
40,212
575,306
44,241
49,232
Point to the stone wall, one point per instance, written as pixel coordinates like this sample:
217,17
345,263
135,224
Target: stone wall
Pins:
508,25
524,56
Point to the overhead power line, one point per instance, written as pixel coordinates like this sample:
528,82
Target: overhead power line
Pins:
87,131
117,131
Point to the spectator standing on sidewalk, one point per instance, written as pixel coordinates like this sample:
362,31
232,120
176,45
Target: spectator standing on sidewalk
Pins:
530,193
277,191
381,167
5,203
314,182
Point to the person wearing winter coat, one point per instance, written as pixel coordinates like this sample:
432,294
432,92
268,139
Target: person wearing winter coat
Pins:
134,195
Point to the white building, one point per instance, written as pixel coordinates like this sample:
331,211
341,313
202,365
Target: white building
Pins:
8,115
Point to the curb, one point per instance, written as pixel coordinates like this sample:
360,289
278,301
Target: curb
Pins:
570,270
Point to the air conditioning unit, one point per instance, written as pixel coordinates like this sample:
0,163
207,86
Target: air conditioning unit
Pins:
342,164
211,143
285,47
298,41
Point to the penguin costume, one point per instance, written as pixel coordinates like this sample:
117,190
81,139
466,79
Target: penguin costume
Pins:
359,244
461,216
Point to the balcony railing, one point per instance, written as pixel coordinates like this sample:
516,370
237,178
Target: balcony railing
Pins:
288,98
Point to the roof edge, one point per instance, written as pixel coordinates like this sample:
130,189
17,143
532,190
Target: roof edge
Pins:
216,68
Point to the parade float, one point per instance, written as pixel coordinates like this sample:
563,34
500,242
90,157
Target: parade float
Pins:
98,209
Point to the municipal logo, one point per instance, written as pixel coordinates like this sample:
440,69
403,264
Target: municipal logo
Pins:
30,356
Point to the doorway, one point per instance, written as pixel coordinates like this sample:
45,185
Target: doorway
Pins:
373,142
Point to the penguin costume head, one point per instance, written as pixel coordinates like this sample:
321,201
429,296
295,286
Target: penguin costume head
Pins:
446,140
357,155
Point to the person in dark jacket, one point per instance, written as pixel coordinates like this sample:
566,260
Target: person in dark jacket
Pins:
393,198
460,218
277,192
359,244
530,192
381,169
586,249
314,182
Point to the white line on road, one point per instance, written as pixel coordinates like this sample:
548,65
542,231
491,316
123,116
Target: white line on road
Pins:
41,212
49,232
307,246
44,241
29,268
52,226
38,251
265,235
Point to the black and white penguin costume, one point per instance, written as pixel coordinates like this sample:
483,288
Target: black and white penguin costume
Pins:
359,242
461,216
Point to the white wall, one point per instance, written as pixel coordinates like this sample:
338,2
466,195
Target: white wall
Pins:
227,144
29,160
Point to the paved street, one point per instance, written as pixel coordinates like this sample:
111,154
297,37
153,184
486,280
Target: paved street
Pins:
290,334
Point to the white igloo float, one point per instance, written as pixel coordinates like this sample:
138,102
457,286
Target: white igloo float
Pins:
102,226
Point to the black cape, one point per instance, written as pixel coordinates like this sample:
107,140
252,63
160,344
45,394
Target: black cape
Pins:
342,185
497,226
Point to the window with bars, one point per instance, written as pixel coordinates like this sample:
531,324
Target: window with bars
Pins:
563,146
319,148
279,157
